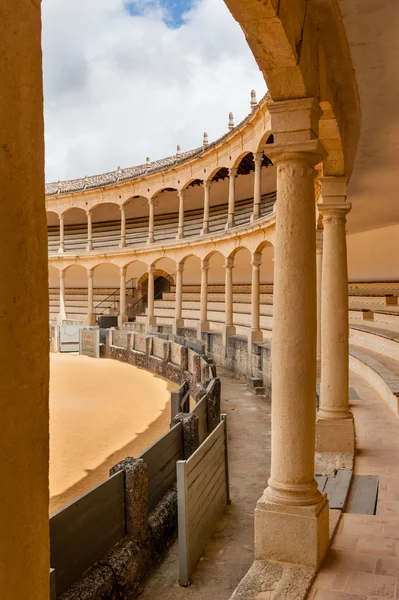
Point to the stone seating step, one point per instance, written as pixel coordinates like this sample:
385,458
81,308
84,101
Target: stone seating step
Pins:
377,288
239,308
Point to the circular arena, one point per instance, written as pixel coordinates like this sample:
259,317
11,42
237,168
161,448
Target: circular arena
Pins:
234,423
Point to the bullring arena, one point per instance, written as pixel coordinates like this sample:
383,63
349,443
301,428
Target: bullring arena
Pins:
233,428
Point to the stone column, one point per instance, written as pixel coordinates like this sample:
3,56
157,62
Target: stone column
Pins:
292,517
62,312
91,318
204,323
151,319
207,199
179,321
229,328
89,245
122,318
232,191
258,158
256,333
122,243
61,248
24,313
180,229
335,428
319,263
151,237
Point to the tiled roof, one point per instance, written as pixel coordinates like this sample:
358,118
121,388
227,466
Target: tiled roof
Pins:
130,173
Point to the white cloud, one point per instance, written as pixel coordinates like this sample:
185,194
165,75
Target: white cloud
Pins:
119,87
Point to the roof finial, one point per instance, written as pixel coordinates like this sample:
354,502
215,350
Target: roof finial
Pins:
85,181
205,141
59,187
231,121
253,99
118,171
178,150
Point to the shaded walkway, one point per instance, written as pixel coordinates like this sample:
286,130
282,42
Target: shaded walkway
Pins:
229,554
363,562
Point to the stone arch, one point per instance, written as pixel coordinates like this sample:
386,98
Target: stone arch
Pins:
192,182
53,218
218,173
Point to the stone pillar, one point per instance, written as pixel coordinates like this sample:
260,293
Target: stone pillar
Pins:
62,311
319,263
335,428
89,245
91,318
229,328
207,199
179,321
292,517
61,248
151,237
24,316
258,158
204,323
122,243
151,320
180,229
256,333
232,191
122,318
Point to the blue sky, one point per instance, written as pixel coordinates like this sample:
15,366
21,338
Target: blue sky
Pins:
174,9
121,85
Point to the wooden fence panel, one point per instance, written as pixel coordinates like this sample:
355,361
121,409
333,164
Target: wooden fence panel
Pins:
203,493
201,410
161,459
82,532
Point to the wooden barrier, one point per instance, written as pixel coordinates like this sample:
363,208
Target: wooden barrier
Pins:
180,400
161,459
201,410
202,496
82,532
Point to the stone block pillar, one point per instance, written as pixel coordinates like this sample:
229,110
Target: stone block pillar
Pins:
207,198
232,201
91,318
258,158
136,497
151,237
335,427
292,517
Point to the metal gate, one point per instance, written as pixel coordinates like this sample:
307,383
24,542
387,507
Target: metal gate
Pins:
69,337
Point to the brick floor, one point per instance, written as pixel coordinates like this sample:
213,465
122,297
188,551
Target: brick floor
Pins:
363,561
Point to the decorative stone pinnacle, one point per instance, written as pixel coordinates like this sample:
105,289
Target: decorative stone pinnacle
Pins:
59,186
178,150
231,121
148,159
253,99
205,141
86,181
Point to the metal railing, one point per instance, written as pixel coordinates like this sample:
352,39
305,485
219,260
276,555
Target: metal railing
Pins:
138,307
114,298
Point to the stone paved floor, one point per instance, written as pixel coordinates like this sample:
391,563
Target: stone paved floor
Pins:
363,562
229,553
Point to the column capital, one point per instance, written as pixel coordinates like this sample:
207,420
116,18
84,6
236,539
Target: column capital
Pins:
294,120
151,268
150,201
258,157
229,262
180,267
334,212
61,217
333,189
256,259
90,273
310,151
122,208
181,193
205,265
61,274
233,172
122,271
88,212
207,183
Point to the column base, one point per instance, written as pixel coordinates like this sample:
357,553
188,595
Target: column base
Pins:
255,335
335,435
91,319
61,319
176,324
227,331
205,229
122,244
61,250
122,319
202,326
292,534
230,223
89,247
151,321
254,217
151,239
180,235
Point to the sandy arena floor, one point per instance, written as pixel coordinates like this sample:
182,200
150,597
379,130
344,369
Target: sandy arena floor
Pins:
100,412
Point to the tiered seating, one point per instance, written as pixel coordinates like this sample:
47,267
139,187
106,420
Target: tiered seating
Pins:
165,309
105,299
107,234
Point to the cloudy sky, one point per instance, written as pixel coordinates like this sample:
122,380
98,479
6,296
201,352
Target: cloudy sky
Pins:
127,79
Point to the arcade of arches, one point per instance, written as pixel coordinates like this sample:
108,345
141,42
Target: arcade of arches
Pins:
252,236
